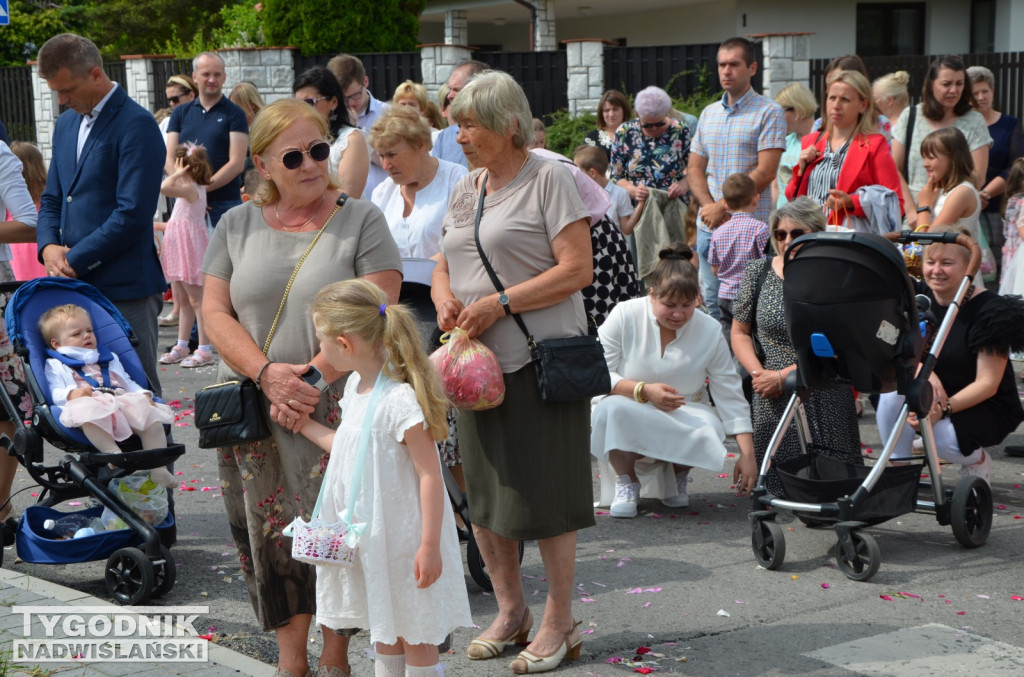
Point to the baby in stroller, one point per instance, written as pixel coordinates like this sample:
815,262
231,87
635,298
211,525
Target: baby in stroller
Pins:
95,392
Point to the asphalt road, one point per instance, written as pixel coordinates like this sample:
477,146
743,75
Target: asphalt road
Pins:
682,583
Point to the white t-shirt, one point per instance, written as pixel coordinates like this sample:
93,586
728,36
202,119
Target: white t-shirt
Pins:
622,206
14,195
418,235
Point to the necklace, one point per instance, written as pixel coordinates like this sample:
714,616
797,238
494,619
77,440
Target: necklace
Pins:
304,223
525,160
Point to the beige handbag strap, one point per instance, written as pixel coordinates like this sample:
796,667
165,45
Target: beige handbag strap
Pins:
288,287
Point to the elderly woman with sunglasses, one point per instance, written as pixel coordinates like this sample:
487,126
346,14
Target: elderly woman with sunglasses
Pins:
651,151
297,219
350,156
758,311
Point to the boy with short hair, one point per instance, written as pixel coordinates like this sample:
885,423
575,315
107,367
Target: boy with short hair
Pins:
594,163
735,243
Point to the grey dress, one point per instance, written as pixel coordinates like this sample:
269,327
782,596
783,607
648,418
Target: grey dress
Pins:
267,484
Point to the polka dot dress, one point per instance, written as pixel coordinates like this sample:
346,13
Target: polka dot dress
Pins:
614,272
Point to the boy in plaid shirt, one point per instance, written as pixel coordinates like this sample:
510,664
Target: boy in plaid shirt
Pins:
736,242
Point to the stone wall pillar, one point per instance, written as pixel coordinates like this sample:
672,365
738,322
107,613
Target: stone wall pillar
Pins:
437,61
787,59
271,69
139,79
47,110
456,27
585,59
544,29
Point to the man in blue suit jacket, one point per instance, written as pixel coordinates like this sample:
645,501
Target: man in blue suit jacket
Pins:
96,216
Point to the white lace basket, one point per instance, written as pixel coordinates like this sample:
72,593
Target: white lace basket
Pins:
322,544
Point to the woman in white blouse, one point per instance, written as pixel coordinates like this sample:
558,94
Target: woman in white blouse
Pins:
414,198
660,351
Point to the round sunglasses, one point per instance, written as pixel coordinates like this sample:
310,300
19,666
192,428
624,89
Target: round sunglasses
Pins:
293,158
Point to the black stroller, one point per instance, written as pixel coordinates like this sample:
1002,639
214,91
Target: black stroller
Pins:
852,315
139,562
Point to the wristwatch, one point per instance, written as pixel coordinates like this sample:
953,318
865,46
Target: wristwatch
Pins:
503,300
313,377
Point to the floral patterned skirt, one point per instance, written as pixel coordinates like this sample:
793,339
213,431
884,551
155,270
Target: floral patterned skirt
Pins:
12,372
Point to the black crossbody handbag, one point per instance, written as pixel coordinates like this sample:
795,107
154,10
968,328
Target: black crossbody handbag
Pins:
568,369
231,413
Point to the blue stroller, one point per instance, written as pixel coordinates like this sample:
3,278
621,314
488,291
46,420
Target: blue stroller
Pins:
861,326
139,562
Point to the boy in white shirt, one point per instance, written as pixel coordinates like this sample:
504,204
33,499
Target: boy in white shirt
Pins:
594,163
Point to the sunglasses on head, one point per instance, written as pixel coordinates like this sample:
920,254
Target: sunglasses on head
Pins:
653,125
293,158
781,235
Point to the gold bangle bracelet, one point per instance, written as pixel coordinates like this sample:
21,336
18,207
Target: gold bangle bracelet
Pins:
638,392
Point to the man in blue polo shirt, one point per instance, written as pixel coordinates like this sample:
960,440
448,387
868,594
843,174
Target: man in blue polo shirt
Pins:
214,122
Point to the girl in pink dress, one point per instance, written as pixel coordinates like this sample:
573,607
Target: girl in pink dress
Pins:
185,242
94,390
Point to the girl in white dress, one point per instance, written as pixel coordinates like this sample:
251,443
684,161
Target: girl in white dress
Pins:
1012,281
660,350
95,392
407,584
950,195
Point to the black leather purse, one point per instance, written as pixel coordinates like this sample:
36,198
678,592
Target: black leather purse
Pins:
568,369
231,413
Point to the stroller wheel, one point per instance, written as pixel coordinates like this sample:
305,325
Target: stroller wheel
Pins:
769,544
866,559
164,574
475,562
971,511
129,576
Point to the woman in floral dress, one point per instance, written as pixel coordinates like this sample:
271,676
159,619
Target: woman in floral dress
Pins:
651,151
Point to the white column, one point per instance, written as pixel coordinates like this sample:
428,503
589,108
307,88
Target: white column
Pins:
46,110
139,80
585,66
786,61
544,29
437,62
271,69
456,27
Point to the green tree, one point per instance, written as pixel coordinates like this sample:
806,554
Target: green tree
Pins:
145,26
318,27
32,24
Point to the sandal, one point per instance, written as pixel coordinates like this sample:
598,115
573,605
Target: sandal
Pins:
175,355
168,320
198,359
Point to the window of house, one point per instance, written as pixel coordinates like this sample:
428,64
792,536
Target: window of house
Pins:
889,29
983,26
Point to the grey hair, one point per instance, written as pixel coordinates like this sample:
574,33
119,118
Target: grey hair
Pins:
215,55
652,102
67,50
497,103
802,211
978,74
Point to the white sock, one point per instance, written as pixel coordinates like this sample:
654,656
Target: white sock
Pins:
206,349
183,344
389,666
421,671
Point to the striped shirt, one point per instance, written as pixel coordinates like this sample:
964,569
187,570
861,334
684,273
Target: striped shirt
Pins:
825,172
734,244
731,138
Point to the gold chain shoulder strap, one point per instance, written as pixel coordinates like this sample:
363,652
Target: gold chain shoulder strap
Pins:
288,287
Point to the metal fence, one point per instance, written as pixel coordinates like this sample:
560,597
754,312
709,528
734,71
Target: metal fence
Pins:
116,71
542,75
385,70
1007,67
681,70
16,107
163,69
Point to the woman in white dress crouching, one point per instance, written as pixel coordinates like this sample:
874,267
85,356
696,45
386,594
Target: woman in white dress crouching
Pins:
660,352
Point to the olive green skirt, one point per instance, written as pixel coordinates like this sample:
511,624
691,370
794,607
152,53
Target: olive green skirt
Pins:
527,463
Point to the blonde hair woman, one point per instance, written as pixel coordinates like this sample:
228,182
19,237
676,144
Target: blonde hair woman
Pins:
891,94
799,105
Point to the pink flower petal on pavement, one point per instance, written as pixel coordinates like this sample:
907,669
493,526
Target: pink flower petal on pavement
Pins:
885,597
1017,598
652,589
647,604
961,613
825,586
587,632
586,599
634,591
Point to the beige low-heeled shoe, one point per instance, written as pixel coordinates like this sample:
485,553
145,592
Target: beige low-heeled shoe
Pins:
529,663
481,648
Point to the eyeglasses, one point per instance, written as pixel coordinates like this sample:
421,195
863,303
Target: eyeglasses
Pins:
781,235
353,98
653,125
315,101
318,152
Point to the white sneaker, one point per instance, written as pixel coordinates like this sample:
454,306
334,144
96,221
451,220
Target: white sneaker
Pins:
680,500
980,469
626,496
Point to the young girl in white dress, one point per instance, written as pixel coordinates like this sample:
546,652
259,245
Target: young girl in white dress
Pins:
184,246
660,350
1012,281
108,408
407,585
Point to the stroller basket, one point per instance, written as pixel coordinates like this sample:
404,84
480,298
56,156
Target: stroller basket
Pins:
38,545
812,478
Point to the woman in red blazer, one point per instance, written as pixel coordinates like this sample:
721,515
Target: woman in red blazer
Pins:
847,154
